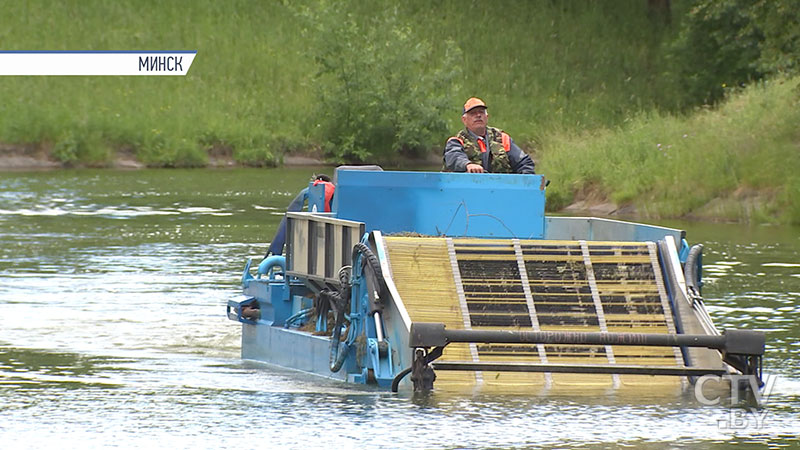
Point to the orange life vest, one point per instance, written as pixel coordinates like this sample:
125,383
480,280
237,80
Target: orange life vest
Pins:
329,189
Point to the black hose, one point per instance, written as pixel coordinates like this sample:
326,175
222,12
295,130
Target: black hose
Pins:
296,317
338,349
375,273
396,381
339,302
338,352
690,267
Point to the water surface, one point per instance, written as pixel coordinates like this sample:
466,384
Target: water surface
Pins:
113,333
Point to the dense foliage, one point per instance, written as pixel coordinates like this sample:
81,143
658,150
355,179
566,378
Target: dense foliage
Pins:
729,43
380,91
266,74
376,81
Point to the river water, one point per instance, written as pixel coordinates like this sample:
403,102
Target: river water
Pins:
113,286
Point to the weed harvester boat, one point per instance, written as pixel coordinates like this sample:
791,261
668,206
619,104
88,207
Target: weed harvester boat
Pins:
412,280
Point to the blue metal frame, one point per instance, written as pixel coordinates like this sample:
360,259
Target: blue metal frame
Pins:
316,197
363,323
434,203
274,292
234,309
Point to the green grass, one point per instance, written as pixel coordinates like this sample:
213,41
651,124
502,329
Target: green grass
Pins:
246,90
739,161
545,65
584,86
252,87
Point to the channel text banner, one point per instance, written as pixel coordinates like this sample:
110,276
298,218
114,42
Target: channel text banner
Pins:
96,62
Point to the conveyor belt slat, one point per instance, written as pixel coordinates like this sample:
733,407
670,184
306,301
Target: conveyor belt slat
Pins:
536,285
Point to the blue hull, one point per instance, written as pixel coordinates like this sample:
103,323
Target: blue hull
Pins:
288,348
435,232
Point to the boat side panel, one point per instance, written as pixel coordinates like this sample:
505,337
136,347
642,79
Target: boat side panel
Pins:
396,321
686,317
596,229
434,203
397,334
288,348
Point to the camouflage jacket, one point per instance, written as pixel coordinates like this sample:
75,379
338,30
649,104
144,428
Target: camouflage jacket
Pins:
501,156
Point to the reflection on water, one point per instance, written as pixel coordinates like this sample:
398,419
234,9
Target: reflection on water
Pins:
752,279
113,333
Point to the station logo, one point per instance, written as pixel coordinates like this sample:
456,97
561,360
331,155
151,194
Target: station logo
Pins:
746,402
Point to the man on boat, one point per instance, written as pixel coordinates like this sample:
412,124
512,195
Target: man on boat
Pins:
479,148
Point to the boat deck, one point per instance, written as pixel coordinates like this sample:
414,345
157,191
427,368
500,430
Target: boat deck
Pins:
511,284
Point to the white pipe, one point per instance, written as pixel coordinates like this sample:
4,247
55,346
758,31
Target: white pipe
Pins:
378,328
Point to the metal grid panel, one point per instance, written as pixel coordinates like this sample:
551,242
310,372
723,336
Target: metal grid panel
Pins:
572,286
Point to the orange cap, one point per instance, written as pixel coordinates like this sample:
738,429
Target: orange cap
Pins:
473,102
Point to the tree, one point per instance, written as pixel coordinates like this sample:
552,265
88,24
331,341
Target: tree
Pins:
728,43
382,90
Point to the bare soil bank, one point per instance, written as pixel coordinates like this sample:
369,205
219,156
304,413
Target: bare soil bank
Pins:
21,157
743,203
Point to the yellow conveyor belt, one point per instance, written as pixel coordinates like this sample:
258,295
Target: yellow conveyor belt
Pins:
537,285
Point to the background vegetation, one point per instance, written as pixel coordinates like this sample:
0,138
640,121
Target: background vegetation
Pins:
739,161
642,102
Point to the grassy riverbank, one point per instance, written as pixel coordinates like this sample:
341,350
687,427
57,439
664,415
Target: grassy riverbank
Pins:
590,100
253,93
740,161
245,93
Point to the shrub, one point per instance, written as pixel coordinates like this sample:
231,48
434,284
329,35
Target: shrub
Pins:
254,153
66,148
81,146
380,91
729,43
158,150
